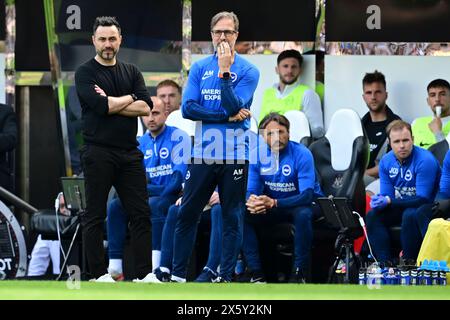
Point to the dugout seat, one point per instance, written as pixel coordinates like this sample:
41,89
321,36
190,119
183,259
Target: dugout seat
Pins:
175,119
341,158
439,149
300,130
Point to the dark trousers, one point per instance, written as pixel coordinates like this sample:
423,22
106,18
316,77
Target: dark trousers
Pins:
201,181
301,217
414,223
123,169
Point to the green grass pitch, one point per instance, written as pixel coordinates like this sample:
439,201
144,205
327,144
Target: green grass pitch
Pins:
53,290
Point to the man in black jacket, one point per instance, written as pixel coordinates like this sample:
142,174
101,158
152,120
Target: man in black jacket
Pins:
8,141
376,120
112,94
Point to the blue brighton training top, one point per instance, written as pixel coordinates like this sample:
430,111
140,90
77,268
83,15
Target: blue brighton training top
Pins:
164,156
412,182
292,182
445,179
212,100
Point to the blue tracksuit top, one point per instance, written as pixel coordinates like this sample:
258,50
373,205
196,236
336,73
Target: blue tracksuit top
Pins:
163,154
212,100
294,175
445,179
416,177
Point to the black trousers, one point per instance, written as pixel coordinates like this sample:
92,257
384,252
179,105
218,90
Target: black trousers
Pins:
105,167
201,180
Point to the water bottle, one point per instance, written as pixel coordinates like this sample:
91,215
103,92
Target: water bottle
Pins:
426,277
374,276
362,276
443,278
397,276
388,275
443,269
413,277
405,277
435,278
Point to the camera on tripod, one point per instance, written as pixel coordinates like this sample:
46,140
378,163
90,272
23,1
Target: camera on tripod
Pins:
339,216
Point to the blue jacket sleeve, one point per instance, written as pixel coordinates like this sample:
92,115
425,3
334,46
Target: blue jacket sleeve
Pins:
412,202
191,109
234,99
444,187
254,185
154,190
386,187
174,185
305,198
427,179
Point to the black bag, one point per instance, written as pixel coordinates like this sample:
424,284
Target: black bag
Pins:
441,209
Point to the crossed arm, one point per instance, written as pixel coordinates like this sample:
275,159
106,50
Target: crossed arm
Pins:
125,105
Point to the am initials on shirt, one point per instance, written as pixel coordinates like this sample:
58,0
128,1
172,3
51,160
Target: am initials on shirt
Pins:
238,172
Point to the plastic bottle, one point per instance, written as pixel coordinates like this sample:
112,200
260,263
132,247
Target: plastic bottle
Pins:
413,277
405,278
374,276
362,276
443,269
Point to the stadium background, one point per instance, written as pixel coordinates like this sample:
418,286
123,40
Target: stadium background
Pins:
44,45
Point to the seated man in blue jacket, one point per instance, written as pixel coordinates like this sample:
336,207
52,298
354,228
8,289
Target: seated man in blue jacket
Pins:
444,189
279,194
441,208
409,181
166,151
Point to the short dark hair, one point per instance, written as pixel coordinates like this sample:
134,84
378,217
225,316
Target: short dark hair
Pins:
397,125
438,83
106,22
274,116
375,76
168,83
225,15
290,54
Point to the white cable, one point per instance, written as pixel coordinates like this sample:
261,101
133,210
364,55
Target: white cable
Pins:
57,224
363,225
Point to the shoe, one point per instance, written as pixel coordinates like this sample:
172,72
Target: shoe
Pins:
157,276
220,280
207,275
176,279
104,278
116,276
257,277
297,276
243,277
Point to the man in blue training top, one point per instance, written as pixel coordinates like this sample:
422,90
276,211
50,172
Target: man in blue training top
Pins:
444,188
279,195
441,208
165,167
219,93
409,180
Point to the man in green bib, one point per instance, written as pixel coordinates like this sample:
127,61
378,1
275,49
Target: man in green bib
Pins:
289,94
432,129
